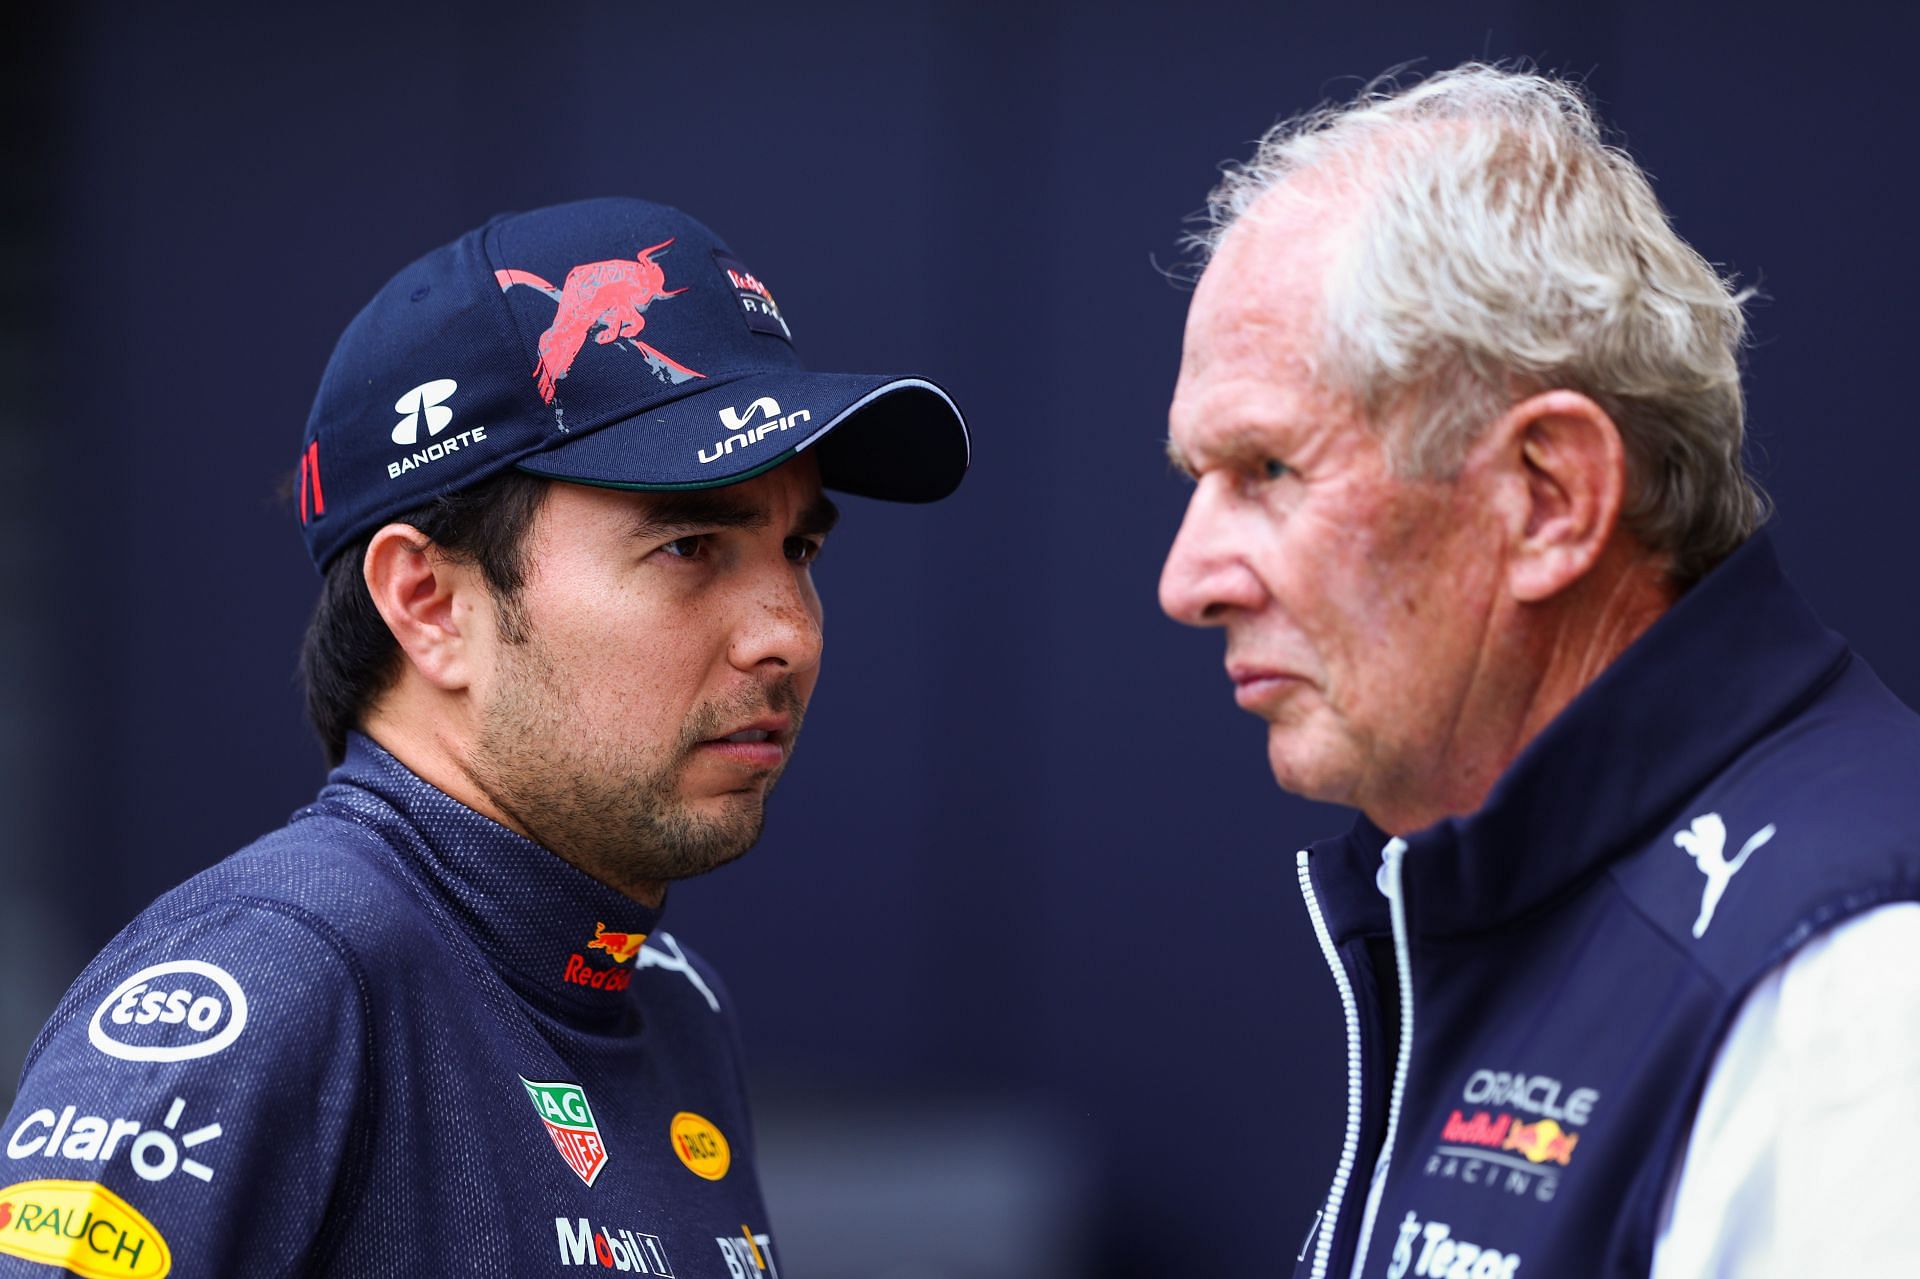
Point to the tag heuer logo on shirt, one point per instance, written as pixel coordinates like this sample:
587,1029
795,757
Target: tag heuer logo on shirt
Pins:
563,1109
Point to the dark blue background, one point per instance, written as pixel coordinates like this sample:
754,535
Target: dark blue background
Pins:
1029,863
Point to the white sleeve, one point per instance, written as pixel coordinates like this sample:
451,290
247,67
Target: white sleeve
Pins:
1799,1163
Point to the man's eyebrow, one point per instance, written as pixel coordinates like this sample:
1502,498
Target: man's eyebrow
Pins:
668,513
1177,459
1237,446
818,519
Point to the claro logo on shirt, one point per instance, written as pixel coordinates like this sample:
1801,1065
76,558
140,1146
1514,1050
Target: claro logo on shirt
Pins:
154,1153
1428,1250
81,1227
174,1011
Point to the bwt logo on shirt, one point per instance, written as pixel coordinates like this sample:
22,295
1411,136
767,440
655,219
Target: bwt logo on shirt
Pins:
748,1255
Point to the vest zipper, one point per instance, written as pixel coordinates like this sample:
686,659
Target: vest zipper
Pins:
1350,1008
1397,907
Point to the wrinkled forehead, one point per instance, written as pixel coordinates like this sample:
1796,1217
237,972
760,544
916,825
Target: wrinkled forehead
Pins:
1254,336
1264,289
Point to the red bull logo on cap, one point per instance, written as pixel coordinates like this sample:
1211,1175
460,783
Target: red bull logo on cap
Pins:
605,301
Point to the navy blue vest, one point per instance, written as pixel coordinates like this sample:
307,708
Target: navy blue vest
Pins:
1576,950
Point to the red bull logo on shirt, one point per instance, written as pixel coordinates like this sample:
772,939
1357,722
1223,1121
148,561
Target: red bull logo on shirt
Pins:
563,1108
605,301
1541,1142
622,946
1538,1143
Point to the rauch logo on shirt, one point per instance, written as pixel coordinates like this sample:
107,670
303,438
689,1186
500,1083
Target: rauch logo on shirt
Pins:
81,1227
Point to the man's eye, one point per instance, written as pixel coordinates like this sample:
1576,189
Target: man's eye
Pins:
686,548
803,550
1273,468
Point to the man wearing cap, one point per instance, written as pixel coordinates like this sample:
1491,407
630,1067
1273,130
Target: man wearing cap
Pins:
1626,935
564,484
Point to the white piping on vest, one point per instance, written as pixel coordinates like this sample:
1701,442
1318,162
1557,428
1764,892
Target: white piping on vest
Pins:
1350,1148
1397,906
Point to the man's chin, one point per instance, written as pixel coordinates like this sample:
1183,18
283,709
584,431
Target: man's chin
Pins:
726,825
1301,771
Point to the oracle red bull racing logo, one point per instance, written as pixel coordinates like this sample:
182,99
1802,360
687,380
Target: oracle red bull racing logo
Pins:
1487,1144
604,301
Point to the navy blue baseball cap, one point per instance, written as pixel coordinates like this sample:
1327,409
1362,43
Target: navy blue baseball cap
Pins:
610,342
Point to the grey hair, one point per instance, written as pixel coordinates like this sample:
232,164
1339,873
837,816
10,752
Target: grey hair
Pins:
1499,247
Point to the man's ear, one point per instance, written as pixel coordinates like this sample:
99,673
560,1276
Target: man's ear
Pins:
1572,464
419,593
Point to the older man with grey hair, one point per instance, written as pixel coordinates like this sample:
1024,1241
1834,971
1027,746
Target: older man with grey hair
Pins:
1625,934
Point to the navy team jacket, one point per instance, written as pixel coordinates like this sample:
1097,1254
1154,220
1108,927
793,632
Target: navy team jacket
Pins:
1535,993
391,1038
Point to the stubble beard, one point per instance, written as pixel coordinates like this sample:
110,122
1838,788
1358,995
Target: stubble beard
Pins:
603,805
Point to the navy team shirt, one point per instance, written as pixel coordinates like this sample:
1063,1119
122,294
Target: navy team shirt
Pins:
390,1038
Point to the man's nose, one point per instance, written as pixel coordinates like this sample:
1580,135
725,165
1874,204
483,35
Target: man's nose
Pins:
780,626
1206,576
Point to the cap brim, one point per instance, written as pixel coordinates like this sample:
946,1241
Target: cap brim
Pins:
901,439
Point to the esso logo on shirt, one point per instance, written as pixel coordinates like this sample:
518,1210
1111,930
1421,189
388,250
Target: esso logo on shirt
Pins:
174,1011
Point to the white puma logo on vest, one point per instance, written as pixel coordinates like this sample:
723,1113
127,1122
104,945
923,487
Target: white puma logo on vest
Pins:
1706,843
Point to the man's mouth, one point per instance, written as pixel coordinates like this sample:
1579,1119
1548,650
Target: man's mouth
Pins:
761,744
1257,687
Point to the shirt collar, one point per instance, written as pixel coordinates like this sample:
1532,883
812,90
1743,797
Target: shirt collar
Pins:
1735,655
560,936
